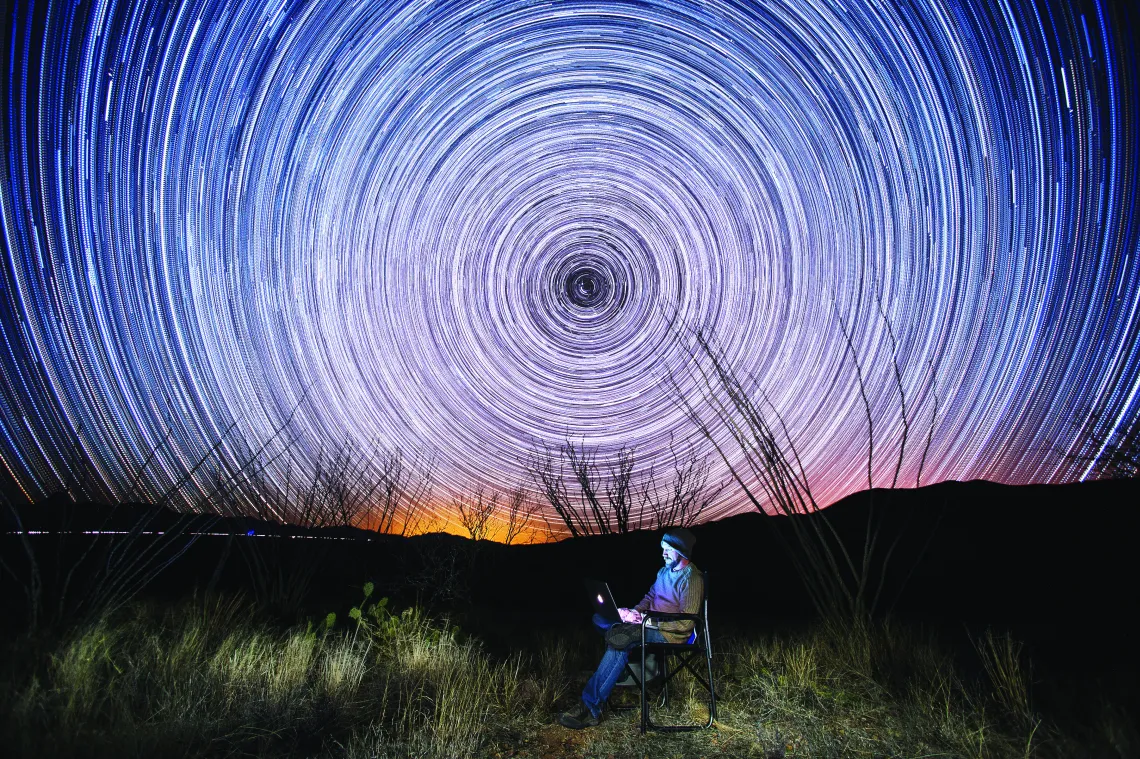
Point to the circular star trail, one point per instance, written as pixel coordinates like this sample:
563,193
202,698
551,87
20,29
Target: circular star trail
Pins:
471,229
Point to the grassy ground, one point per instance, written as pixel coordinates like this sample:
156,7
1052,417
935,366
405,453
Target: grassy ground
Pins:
207,678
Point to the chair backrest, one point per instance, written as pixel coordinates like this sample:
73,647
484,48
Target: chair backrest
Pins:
704,614
704,611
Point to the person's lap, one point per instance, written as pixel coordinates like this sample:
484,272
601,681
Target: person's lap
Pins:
621,636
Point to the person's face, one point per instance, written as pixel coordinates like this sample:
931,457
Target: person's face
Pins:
670,555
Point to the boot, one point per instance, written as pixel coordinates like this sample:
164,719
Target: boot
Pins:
580,718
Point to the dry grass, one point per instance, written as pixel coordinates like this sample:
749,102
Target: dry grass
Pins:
204,680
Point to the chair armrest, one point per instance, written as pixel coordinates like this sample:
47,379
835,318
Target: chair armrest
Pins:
670,616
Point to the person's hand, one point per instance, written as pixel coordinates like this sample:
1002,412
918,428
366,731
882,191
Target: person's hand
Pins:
632,616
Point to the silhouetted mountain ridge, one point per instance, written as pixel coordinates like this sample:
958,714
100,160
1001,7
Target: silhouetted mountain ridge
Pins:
970,551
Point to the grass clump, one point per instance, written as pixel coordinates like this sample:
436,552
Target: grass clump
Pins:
204,679
874,690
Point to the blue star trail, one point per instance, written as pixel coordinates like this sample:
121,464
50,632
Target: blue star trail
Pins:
468,229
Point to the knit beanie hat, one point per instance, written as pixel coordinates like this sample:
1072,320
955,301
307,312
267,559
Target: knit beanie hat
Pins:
681,540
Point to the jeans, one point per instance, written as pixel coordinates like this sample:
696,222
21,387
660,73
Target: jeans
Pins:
601,683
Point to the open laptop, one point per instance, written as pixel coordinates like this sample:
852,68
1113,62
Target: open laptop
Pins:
603,601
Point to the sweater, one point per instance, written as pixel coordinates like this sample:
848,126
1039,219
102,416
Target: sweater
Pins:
677,592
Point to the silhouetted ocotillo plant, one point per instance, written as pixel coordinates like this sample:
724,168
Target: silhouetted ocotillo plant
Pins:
844,581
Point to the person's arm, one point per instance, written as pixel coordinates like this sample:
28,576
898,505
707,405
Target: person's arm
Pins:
646,603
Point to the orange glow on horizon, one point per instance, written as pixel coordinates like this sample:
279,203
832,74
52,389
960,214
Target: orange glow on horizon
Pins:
434,517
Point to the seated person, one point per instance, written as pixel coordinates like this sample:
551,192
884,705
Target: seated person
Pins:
678,589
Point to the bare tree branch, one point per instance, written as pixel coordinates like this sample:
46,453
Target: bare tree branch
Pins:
585,469
768,469
929,434
519,514
618,492
1110,450
475,513
899,386
863,395
552,483
688,493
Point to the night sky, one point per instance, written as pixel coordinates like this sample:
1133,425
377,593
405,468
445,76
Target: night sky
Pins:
467,229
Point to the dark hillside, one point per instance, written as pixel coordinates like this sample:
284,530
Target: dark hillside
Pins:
978,552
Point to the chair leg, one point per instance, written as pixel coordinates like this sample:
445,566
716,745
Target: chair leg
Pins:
712,689
644,706
686,663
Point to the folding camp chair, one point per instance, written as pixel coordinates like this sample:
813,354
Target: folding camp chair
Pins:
684,655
